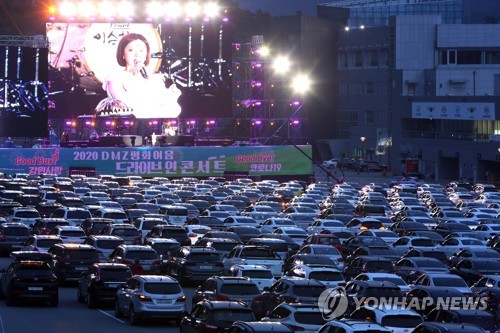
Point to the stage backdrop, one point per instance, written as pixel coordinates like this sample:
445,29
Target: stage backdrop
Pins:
154,161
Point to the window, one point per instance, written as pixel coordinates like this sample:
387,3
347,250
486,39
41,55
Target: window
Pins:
369,87
358,59
369,117
373,55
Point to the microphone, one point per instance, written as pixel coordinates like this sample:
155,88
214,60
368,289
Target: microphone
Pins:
142,70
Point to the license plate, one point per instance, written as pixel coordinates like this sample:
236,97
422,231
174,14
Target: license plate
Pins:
35,288
205,267
113,285
16,246
164,301
80,268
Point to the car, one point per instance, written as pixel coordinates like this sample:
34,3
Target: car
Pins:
356,289
228,288
405,243
194,264
253,255
353,242
212,222
135,299
100,283
300,317
398,319
26,215
331,163
170,231
381,277
104,244
411,268
29,280
240,220
69,234
165,247
388,236
480,318
427,298
40,243
471,270
353,326
473,254
259,327
71,260
140,254
444,280
329,276
438,327
296,233
270,224
453,245
321,224
259,274
372,264
215,316
128,232
94,225
486,282
13,236
245,232
146,224
74,215
289,290
326,250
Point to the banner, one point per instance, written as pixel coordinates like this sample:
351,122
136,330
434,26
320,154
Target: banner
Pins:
157,162
453,111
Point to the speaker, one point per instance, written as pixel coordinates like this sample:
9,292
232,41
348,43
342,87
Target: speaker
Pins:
121,141
175,140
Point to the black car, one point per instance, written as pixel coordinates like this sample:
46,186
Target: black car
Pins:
367,264
47,208
13,236
385,252
472,270
94,225
411,268
245,233
217,317
194,264
354,242
209,221
370,289
170,231
100,282
29,280
480,318
228,288
71,260
435,327
45,225
420,294
307,259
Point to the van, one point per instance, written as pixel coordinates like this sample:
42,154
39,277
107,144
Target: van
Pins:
177,215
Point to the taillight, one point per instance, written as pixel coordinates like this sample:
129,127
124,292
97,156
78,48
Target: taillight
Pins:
258,299
144,298
340,259
193,235
222,298
2,237
126,262
156,262
181,299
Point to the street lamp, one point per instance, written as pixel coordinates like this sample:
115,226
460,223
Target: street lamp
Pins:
363,138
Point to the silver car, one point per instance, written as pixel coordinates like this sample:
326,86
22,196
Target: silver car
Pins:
150,296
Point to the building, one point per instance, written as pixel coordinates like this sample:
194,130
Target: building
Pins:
419,85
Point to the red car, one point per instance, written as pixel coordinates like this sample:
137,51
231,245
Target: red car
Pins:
324,239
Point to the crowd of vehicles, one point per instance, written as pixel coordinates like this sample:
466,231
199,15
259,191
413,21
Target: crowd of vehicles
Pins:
261,255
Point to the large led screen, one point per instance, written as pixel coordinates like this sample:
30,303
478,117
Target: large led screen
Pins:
168,70
23,91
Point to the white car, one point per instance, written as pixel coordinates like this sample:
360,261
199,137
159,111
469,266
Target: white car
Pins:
444,280
329,276
69,234
41,243
27,216
306,318
322,224
381,277
195,232
453,245
259,274
405,243
296,233
271,224
352,326
396,319
324,250
331,163
387,236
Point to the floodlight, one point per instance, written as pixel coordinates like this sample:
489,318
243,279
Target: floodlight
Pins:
173,9
301,83
212,10
126,9
67,9
193,9
86,9
281,64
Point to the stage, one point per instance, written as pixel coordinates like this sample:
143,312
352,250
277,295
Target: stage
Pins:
160,161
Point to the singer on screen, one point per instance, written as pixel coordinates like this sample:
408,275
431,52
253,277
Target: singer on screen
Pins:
145,95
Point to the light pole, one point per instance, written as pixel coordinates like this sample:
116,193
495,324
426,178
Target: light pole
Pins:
363,138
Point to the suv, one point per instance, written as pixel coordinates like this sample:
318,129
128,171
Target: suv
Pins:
100,283
71,260
300,317
259,274
194,264
352,326
69,234
128,254
94,225
170,231
128,232
40,243
44,225
29,280
397,319
228,288
13,236
104,244
74,215
146,224
213,316
23,215
150,296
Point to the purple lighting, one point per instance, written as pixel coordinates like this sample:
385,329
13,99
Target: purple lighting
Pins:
68,123
88,123
258,122
296,103
225,19
108,122
295,122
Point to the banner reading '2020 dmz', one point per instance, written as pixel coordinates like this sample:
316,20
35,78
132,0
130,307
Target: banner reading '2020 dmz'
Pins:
165,161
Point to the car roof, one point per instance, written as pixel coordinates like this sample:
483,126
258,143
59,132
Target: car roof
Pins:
156,278
265,327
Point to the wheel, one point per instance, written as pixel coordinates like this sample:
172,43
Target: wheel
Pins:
79,296
134,320
90,300
9,300
118,312
54,301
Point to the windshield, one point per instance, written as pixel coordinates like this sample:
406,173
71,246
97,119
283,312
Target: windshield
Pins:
486,322
162,288
78,254
308,291
232,315
239,289
204,257
109,274
258,274
48,242
258,253
80,214
72,233
423,242
16,232
396,281
116,215
309,318
326,276
124,232
141,255
27,214
449,282
165,247
401,320
109,244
